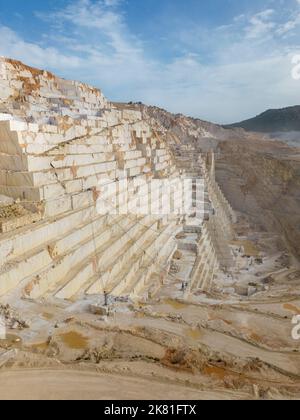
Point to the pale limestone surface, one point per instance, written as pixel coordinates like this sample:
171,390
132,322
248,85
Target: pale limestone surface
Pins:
59,141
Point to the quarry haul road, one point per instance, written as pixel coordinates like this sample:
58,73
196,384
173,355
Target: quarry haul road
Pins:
43,384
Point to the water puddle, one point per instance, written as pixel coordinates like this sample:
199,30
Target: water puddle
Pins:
218,372
139,315
193,333
250,248
291,308
74,340
175,304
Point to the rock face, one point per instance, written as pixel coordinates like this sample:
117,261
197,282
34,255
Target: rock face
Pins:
61,143
37,95
259,177
262,181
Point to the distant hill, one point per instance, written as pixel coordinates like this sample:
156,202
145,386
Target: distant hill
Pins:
272,121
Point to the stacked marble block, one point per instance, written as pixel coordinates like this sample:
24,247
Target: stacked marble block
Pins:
213,250
38,95
207,262
221,221
74,248
187,159
225,213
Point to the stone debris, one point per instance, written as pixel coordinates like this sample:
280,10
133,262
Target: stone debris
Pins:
12,319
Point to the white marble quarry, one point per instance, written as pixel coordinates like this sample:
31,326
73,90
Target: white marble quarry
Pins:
60,141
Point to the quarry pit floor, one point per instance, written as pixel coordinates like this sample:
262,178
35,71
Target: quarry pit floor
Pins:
204,346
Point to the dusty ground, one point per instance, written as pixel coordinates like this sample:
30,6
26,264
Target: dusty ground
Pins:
58,384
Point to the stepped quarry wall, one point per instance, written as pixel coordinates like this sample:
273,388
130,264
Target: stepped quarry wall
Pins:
37,95
65,234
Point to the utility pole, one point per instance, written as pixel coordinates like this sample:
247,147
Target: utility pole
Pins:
105,298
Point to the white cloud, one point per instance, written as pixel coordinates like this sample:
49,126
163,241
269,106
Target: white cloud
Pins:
261,24
238,70
11,45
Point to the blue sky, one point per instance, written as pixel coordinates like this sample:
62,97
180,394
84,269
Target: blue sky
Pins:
220,60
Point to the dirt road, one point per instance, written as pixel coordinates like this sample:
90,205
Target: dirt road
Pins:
77,385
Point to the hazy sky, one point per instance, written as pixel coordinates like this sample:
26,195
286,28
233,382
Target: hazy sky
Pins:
220,60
